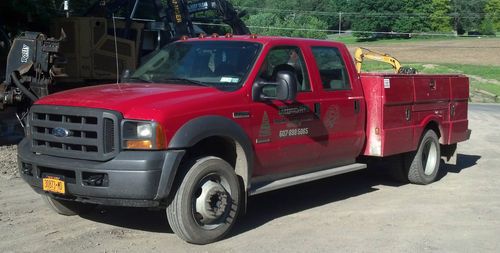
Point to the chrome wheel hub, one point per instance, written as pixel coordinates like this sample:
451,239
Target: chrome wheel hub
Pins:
212,203
429,157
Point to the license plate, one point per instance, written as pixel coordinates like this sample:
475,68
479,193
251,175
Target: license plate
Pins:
53,184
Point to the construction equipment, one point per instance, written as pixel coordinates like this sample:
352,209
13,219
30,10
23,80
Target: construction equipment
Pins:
30,68
225,11
361,53
111,37
142,27
4,50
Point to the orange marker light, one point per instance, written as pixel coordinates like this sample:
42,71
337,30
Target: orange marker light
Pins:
161,142
138,144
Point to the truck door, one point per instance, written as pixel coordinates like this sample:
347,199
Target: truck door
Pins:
285,133
341,104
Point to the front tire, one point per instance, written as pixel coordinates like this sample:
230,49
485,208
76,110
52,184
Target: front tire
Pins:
424,164
206,203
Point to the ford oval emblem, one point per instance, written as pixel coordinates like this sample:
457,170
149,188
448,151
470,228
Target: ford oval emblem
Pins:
60,132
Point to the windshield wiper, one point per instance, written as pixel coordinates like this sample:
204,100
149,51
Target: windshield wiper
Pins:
185,80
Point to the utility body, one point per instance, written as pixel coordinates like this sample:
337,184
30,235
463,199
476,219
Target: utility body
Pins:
208,121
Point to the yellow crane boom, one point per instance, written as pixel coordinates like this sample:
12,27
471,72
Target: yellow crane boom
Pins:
361,53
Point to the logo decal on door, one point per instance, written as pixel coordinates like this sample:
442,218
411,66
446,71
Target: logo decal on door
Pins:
292,110
265,130
331,116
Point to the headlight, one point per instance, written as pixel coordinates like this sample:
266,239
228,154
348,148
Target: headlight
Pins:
144,130
142,135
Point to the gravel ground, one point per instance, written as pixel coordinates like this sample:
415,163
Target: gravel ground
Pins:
8,162
356,212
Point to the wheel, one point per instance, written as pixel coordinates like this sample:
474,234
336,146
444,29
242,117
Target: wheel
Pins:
68,208
206,203
424,164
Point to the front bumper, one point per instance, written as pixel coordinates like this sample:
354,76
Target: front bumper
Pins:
132,178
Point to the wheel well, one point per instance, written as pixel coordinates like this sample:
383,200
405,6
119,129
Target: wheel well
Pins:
435,127
225,148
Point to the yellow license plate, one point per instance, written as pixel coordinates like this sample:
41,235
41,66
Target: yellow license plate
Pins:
53,184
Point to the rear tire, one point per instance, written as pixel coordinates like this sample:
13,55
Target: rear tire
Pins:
67,208
424,164
207,202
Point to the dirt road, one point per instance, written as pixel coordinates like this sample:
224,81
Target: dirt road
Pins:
358,212
473,51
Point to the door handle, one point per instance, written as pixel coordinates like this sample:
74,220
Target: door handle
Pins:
408,114
356,106
432,84
317,109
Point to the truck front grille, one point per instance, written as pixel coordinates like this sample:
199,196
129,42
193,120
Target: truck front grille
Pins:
73,132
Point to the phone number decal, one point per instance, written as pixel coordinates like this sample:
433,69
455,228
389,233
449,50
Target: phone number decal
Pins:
293,132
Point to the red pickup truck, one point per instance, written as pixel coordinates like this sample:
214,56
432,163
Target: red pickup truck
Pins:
207,122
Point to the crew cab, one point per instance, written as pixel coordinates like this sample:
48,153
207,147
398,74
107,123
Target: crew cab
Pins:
209,121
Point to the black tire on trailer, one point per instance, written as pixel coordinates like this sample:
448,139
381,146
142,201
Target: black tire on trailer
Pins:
423,165
66,207
207,202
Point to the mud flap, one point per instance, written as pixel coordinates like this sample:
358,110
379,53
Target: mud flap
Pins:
449,153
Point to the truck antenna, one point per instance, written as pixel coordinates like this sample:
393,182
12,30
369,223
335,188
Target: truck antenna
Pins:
66,7
116,53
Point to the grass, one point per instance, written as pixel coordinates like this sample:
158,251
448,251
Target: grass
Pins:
480,65
492,88
349,39
481,77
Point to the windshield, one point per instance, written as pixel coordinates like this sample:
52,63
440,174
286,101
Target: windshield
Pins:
220,64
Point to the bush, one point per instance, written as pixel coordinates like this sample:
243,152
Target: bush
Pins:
287,25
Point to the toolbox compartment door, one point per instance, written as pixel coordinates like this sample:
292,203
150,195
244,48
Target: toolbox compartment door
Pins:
399,107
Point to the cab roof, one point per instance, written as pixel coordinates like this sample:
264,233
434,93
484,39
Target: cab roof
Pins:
259,39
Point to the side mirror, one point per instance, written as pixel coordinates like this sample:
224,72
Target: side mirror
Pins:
284,89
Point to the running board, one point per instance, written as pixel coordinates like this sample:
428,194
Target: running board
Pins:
300,179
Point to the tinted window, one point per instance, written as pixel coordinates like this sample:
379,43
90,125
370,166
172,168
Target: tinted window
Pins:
331,68
285,59
220,64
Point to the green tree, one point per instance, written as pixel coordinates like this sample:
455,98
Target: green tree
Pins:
375,16
467,15
308,26
384,16
440,18
36,15
414,16
261,23
317,14
491,22
289,18
287,25
326,11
